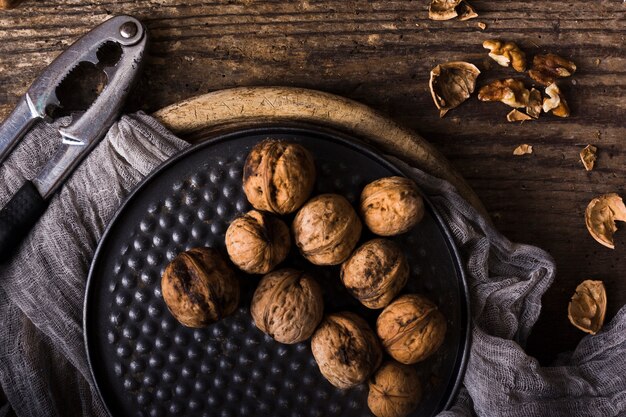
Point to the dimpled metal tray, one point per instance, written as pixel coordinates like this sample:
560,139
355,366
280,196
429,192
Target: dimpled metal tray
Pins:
147,364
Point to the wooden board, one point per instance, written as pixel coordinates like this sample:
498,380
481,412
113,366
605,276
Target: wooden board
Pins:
380,53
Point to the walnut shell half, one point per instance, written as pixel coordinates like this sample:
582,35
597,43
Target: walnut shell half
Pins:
600,217
256,242
278,176
411,328
587,308
391,206
375,273
346,349
451,84
199,287
287,305
326,229
449,9
395,390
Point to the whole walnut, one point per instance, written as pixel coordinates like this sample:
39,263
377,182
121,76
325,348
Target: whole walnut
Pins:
395,390
287,305
256,242
391,206
346,349
411,328
326,229
199,287
278,176
375,273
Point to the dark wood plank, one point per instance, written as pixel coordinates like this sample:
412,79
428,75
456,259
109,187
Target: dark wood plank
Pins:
380,53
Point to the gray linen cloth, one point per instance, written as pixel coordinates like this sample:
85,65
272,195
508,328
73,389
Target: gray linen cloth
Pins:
43,366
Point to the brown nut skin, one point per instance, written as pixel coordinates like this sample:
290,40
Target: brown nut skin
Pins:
395,390
287,305
391,206
547,68
199,287
278,176
256,242
411,328
346,349
375,273
326,229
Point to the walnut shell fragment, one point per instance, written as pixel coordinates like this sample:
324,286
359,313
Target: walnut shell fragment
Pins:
375,273
256,242
411,328
287,305
535,103
600,217
587,308
326,229
556,103
394,390
506,54
451,84
199,287
523,150
517,116
346,349
278,176
449,9
509,91
588,156
547,68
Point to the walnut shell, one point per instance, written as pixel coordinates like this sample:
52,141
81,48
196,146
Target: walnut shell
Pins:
199,287
600,217
346,349
278,176
411,328
395,390
451,84
326,229
391,206
256,242
587,307
375,273
287,305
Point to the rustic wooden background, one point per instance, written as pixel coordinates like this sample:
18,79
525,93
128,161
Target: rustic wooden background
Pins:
380,53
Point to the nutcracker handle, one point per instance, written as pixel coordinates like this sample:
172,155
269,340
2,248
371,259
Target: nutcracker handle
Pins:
18,216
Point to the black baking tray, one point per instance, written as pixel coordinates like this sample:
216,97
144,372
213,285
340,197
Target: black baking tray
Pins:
145,363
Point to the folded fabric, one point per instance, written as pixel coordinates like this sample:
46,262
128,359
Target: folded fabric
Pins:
43,366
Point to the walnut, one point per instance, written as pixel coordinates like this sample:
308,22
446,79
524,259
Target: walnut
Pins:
587,308
535,103
588,156
523,149
517,116
395,390
346,349
547,68
199,287
506,54
391,206
449,9
600,217
451,84
411,328
510,91
256,242
278,176
287,305
326,229
375,273
556,103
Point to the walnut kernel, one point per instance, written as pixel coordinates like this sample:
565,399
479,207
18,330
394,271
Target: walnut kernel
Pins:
556,103
547,68
506,54
509,91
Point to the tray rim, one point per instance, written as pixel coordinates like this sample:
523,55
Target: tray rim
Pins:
359,145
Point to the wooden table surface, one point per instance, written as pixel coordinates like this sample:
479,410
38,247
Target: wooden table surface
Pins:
380,53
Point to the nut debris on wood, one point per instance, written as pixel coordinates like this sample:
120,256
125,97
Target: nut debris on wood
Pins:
517,116
524,149
588,156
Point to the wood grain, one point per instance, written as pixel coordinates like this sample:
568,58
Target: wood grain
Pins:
380,53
